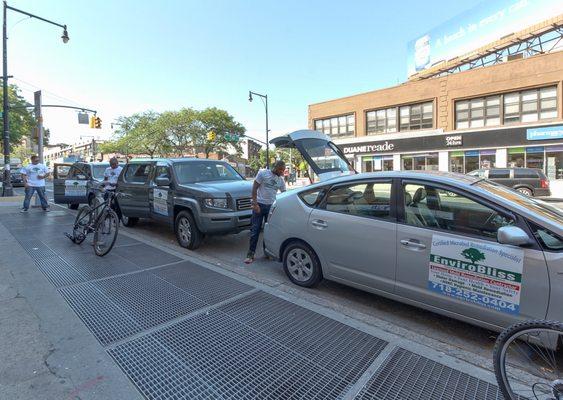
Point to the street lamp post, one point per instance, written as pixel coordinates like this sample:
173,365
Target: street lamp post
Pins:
264,98
7,186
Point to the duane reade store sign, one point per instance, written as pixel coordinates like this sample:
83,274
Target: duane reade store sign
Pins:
519,146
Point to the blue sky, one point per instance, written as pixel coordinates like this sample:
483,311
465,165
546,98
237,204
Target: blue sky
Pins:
130,56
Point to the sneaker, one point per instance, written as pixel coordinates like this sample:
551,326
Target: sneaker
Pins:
23,210
249,258
47,209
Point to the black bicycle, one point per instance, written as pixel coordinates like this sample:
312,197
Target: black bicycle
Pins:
528,360
100,219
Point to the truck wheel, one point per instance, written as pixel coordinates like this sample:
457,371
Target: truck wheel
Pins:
187,233
73,206
129,221
525,191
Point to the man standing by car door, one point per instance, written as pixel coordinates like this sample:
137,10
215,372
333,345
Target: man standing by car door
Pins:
264,191
110,181
34,176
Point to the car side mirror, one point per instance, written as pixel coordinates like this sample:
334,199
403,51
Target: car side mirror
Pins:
161,181
513,235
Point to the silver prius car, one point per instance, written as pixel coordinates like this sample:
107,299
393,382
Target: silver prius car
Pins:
454,244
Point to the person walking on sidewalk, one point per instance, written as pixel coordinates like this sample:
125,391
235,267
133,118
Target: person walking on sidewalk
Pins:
264,191
34,176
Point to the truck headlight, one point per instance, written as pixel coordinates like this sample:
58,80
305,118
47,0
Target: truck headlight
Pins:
216,203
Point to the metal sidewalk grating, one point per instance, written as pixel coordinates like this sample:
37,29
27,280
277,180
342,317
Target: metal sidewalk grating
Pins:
94,267
147,299
99,314
406,375
241,363
157,374
344,350
58,272
208,286
145,256
37,249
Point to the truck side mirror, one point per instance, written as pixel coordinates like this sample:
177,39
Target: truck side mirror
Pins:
162,181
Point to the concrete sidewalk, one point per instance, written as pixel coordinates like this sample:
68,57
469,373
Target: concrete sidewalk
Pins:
180,327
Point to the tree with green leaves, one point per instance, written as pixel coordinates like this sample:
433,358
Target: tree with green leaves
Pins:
182,129
21,117
222,123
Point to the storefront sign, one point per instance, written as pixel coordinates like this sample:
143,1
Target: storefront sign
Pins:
455,140
75,188
545,133
481,273
367,148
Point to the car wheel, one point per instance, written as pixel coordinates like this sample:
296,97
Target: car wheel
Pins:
302,265
129,221
525,191
187,233
91,200
73,206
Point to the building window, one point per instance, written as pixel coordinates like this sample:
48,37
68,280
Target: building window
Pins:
420,162
530,105
416,116
343,125
381,121
476,113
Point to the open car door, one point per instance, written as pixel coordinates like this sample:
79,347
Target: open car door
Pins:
323,156
69,184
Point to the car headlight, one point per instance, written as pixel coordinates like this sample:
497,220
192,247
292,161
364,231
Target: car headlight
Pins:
272,209
216,203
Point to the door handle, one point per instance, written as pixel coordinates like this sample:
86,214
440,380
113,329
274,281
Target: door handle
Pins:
412,244
319,224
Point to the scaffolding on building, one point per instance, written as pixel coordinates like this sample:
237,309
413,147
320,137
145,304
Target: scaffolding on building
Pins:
539,39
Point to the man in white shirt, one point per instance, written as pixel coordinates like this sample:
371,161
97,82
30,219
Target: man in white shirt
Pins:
34,176
264,191
112,173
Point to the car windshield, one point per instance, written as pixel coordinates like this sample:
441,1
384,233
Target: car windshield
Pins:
98,171
542,208
205,171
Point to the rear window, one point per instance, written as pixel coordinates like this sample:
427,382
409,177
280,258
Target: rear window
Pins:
548,239
499,173
312,197
525,173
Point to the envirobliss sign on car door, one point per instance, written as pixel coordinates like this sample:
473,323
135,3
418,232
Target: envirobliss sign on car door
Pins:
486,274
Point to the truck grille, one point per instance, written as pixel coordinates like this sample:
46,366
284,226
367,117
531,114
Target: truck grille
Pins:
244,204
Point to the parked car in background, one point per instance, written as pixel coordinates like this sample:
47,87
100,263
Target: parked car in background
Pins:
77,183
194,196
528,181
16,176
454,244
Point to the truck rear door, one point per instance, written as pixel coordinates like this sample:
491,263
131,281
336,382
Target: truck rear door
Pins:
69,184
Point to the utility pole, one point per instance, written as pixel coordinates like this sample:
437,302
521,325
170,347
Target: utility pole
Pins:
39,119
264,98
7,187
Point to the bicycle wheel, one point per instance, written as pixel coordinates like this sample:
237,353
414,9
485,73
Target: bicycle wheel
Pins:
106,232
83,220
528,360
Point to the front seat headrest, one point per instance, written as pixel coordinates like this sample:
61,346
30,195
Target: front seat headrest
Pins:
419,195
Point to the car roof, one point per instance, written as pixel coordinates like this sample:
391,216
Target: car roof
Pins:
92,163
173,160
436,176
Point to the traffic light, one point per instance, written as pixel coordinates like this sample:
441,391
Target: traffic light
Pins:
211,136
92,122
98,123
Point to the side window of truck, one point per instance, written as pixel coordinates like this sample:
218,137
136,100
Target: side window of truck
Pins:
137,173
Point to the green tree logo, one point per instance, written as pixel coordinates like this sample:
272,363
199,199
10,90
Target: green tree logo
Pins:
473,255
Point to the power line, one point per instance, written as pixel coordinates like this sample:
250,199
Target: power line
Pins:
54,95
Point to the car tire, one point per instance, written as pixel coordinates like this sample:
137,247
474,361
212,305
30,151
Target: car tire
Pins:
73,206
301,264
187,232
129,221
525,191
